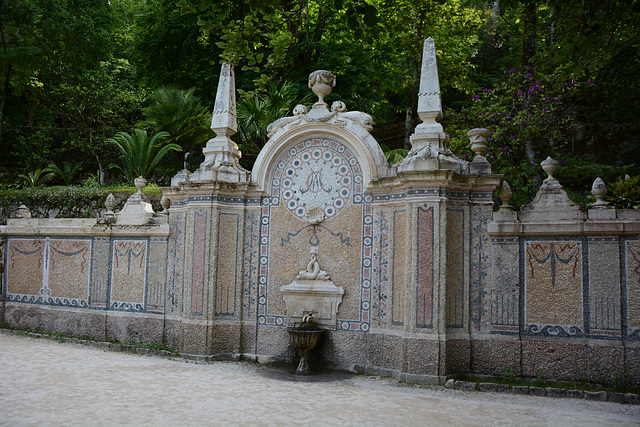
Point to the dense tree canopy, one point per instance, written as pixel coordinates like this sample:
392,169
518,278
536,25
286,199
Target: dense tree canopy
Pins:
552,77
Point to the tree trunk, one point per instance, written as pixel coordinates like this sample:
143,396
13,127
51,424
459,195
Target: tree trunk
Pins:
32,109
412,101
529,36
5,92
528,52
100,170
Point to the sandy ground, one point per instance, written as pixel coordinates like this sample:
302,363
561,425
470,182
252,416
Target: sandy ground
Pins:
44,382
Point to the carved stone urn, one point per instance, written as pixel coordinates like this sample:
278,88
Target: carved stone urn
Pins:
321,83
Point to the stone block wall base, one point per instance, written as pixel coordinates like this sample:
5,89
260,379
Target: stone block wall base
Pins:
90,324
134,328
561,359
192,338
457,356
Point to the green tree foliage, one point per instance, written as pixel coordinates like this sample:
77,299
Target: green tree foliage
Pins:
624,192
170,50
99,103
140,154
545,73
257,111
73,72
64,90
179,113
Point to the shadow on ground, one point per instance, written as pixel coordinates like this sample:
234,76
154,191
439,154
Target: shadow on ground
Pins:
284,374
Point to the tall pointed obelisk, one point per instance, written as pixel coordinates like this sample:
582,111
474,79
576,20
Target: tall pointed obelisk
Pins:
221,154
429,142
429,101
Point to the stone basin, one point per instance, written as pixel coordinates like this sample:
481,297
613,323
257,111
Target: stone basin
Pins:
303,340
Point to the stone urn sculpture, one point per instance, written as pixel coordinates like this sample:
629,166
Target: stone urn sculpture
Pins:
321,83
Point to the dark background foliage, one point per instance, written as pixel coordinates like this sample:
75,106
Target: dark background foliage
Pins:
554,77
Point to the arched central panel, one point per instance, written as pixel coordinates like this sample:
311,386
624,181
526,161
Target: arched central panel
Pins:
313,175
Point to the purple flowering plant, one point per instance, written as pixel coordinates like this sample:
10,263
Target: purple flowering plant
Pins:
531,116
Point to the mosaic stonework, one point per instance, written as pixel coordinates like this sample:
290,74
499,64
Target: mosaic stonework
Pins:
251,246
331,180
25,262
69,268
49,271
389,266
399,266
175,277
227,264
632,261
424,303
157,275
317,173
604,299
128,275
380,280
198,269
553,287
479,267
504,310
99,293
455,268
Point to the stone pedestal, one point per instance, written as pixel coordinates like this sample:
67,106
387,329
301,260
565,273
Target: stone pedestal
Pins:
136,211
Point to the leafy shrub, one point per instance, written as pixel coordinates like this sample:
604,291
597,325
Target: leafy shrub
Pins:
66,202
624,193
622,381
67,172
37,177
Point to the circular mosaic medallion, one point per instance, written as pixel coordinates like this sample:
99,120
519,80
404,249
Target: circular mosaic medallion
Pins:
317,173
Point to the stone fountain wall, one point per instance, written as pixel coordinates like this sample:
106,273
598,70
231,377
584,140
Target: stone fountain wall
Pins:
435,282
78,277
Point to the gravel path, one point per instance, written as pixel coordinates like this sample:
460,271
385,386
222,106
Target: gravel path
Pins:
44,382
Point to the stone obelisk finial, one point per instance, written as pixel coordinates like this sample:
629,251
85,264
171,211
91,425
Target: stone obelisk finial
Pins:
221,154
429,103
223,121
224,111
429,143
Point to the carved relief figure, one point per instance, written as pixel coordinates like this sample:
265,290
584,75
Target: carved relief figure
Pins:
313,271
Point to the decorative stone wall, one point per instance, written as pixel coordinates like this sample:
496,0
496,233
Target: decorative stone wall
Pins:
563,287
81,278
435,282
